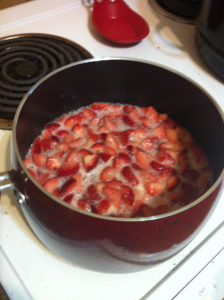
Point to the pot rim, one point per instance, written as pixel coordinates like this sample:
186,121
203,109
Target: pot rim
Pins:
90,214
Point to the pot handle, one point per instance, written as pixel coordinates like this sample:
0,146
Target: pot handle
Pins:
6,183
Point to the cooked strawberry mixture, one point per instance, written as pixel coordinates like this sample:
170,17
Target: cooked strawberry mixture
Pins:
119,160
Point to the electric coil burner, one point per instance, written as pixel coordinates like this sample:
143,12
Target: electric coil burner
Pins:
185,11
25,59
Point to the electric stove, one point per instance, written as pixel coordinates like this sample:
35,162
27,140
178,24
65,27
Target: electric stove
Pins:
28,270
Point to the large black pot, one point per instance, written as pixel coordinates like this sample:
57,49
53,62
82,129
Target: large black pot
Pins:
90,239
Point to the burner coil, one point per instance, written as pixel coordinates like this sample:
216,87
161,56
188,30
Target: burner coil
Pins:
26,59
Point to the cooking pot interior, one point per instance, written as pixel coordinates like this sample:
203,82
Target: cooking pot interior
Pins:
128,82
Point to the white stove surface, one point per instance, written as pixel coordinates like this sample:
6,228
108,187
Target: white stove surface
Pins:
28,270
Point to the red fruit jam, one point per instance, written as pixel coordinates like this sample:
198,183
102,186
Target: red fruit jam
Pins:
119,160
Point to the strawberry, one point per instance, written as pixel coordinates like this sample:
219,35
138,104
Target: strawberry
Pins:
140,133
147,211
103,129
136,167
52,126
152,113
131,149
124,158
53,163
78,178
117,163
148,176
172,183
89,113
81,203
177,147
27,161
104,157
31,172
129,176
154,188
110,141
142,158
192,175
51,184
43,177
67,187
110,126
40,160
175,196
94,122
173,154
103,207
91,140
171,135
99,187
110,151
79,130
97,147
84,152
159,132
61,147
116,133
199,156
137,209
147,144
72,156
67,170
129,122
189,192
99,106
183,135
62,119
75,143
127,195
134,115
46,134
165,158
107,174
114,184
115,115
68,199
124,138
68,138
166,145
163,117
36,147
56,192
90,161
75,119
161,168
128,108
99,137
162,209
92,193
114,196
114,106
169,123
146,122
183,166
